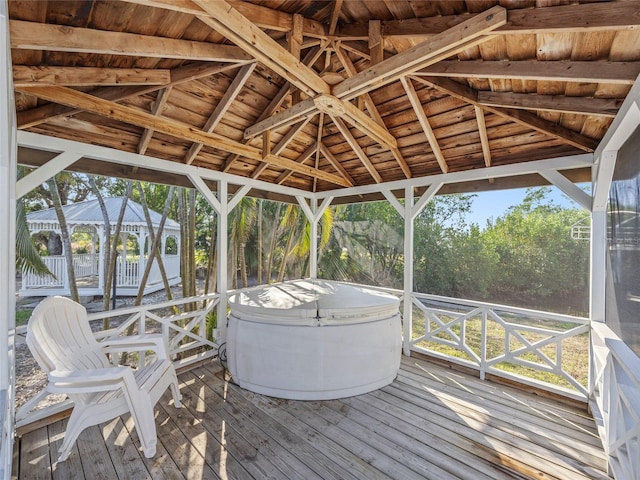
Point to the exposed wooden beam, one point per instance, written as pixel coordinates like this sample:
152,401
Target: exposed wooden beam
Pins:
376,42
88,76
484,138
38,115
171,127
223,105
335,16
262,16
246,35
306,155
158,106
318,143
355,146
527,119
606,107
335,163
281,145
310,58
62,38
553,19
371,107
412,95
472,32
562,71
346,110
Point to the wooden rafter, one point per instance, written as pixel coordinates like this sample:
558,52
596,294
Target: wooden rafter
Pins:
376,42
554,19
229,22
306,155
84,101
470,33
371,107
524,118
282,144
275,103
36,116
561,71
335,16
484,138
24,75
42,36
335,163
424,123
223,105
355,146
606,107
158,106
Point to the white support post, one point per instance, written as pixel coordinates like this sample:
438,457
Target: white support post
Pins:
103,243
408,270
45,172
313,214
8,159
223,247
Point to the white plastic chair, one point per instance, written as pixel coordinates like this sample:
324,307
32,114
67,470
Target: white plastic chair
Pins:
61,341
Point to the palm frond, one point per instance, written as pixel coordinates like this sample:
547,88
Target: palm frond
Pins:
27,257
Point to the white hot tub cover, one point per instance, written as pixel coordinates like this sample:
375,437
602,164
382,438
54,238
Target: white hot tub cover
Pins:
313,303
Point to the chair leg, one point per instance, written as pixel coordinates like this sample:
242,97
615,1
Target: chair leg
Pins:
175,391
141,409
75,426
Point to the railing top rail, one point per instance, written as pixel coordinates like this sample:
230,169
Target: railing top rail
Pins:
504,308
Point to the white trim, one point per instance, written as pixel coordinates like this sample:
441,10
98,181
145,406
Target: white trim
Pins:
424,199
393,200
407,313
568,187
238,196
205,191
45,172
8,160
223,250
559,163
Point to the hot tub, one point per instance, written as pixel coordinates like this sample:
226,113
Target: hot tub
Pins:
313,339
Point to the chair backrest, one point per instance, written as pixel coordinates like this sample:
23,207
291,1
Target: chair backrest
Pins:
60,338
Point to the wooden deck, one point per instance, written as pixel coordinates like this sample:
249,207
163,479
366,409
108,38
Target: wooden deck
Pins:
432,422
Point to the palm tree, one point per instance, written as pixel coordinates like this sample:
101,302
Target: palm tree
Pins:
242,220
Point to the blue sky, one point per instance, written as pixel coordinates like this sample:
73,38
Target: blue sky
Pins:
494,204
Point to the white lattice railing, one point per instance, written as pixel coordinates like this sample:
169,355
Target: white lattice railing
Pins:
615,401
183,324
57,265
546,350
85,264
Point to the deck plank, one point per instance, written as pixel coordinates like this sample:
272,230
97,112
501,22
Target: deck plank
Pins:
432,422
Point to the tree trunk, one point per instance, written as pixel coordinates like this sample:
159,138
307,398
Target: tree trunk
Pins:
272,243
212,264
105,250
243,265
106,299
66,239
152,237
285,257
54,243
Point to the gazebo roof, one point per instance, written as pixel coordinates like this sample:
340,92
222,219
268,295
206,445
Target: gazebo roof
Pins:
89,213
319,95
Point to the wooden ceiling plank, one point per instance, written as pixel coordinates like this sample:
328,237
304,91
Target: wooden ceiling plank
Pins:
471,32
606,107
84,101
223,105
587,17
624,73
281,145
38,115
158,106
248,36
306,155
484,138
355,146
310,58
24,75
61,38
527,119
457,38
371,107
412,95
335,163
262,16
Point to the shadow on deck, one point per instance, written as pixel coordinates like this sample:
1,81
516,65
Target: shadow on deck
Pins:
432,422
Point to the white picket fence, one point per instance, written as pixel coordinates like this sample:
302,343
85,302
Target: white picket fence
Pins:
525,345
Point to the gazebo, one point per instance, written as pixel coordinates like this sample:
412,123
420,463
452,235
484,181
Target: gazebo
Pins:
89,266
320,103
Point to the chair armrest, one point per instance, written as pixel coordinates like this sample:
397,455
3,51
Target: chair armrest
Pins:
90,380
134,343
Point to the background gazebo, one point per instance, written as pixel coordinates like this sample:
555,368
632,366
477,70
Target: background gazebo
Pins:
86,217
